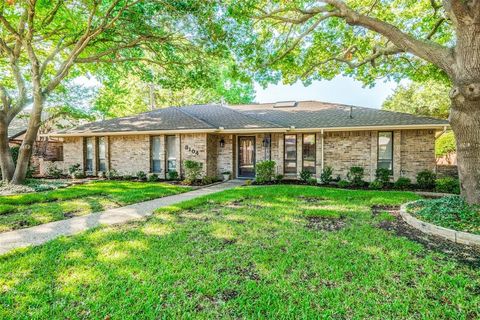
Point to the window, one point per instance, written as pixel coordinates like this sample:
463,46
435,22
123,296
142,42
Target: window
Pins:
385,150
102,155
290,154
171,153
89,154
155,154
309,152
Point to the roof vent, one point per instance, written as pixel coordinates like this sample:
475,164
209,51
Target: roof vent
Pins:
285,104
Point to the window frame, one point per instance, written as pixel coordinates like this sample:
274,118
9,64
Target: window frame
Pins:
97,156
152,166
314,152
392,149
168,159
89,162
285,160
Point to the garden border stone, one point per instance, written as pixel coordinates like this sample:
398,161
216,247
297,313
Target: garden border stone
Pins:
446,233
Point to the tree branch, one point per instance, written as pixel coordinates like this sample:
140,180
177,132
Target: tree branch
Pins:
435,28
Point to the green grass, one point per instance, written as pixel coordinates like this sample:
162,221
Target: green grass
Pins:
243,253
449,212
26,210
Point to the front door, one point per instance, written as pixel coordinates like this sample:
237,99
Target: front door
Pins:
246,157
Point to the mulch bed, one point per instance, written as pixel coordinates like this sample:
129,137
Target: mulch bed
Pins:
465,254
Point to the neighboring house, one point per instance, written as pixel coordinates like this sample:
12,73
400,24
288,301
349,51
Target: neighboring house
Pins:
45,151
306,135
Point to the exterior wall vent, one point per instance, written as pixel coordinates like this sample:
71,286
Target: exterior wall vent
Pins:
285,104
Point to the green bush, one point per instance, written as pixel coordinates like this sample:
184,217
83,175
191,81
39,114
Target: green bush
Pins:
426,179
305,175
172,175
403,183
312,181
111,174
326,175
193,171
142,176
376,185
383,175
209,180
74,168
447,185
343,183
279,177
153,177
54,172
265,171
355,176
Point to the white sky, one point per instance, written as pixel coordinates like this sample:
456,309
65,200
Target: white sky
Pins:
340,90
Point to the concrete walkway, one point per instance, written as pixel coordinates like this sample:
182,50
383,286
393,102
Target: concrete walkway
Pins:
46,232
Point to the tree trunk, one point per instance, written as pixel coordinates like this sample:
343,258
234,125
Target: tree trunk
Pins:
465,122
6,161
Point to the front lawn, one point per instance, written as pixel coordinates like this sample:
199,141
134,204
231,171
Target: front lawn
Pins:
255,252
26,210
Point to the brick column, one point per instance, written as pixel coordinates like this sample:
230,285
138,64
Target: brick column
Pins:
373,153
318,154
280,153
299,154
397,154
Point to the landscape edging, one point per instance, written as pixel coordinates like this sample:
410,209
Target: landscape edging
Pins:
449,234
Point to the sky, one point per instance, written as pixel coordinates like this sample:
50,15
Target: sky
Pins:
340,90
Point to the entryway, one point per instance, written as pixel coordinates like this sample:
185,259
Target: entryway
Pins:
246,157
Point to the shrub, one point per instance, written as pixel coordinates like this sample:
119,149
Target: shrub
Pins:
383,175
54,172
376,185
209,180
153,177
279,177
305,175
111,174
75,171
312,181
265,171
326,175
142,176
343,183
172,175
193,170
426,179
447,185
403,183
355,176
248,182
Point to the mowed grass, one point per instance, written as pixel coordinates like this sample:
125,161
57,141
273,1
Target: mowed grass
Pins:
253,252
26,210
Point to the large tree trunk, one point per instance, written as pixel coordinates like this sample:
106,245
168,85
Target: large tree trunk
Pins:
6,161
465,110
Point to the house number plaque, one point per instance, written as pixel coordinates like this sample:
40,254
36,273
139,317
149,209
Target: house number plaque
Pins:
191,150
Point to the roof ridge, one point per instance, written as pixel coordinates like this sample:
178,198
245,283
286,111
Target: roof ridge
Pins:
252,117
192,116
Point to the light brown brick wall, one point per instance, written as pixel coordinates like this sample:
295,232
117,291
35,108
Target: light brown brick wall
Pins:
193,147
130,154
417,152
72,152
344,150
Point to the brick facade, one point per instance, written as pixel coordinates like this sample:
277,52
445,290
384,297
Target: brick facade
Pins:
413,151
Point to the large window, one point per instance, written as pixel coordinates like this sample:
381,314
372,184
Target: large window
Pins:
385,150
309,152
89,154
290,154
171,153
155,154
102,154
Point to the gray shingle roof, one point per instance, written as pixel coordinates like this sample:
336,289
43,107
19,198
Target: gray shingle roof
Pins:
314,114
17,127
162,119
305,114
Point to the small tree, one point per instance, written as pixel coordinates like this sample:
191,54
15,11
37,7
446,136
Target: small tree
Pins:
326,176
193,171
265,171
355,176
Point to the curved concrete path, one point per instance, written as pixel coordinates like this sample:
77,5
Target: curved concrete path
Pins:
46,232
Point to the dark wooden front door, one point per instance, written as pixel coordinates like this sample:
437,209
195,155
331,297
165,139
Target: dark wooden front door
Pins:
246,157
